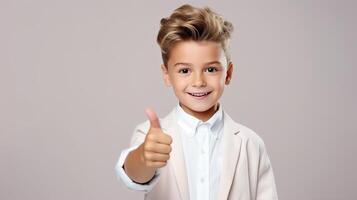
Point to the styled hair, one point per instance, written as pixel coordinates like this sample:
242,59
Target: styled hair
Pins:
191,23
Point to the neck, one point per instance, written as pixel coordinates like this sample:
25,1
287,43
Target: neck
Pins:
203,116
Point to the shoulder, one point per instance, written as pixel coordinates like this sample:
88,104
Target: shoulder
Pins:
248,135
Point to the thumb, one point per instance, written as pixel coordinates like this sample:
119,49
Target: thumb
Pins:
154,121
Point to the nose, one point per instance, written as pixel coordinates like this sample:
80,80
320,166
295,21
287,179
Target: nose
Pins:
199,80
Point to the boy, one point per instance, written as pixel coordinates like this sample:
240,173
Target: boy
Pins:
197,151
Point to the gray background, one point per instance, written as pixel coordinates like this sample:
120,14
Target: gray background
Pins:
76,76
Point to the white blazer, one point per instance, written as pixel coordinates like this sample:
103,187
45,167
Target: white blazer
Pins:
246,172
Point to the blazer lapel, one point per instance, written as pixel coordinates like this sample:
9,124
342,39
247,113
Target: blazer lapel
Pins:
177,159
231,150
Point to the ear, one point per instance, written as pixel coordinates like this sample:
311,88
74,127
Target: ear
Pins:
229,73
165,75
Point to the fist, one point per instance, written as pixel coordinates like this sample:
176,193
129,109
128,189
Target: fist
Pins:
157,144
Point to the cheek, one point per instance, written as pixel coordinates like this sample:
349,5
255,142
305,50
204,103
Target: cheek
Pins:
217,81
178,83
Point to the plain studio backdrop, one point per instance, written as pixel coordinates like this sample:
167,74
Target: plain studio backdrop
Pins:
76,76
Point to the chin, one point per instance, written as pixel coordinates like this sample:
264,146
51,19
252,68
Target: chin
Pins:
199,108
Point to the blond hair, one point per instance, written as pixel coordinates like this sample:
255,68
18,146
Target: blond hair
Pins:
191,23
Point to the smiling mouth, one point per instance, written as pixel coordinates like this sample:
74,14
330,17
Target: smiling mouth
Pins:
199,94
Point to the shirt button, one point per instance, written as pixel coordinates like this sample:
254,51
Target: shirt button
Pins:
202,180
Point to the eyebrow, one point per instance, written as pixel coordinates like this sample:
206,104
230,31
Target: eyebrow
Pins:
190,64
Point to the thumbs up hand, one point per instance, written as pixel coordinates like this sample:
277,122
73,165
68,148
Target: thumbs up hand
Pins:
157,144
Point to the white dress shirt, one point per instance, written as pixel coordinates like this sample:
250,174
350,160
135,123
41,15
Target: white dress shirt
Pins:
201,145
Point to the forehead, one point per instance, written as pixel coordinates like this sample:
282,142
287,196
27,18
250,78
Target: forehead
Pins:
196,52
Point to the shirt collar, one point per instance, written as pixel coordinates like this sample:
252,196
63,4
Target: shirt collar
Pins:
190,123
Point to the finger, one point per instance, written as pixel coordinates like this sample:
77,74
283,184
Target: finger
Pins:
154,121
165,139
159,137
156,157
156,164
159,148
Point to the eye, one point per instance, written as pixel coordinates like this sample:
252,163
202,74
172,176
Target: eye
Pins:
211,69
183,71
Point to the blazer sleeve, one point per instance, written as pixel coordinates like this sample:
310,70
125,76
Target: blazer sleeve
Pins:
266,188
137,138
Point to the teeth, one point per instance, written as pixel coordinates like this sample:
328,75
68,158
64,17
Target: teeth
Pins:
199,94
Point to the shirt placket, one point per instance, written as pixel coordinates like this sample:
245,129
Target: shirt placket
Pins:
203,182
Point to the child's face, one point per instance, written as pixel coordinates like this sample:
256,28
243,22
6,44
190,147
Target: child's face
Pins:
198,72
